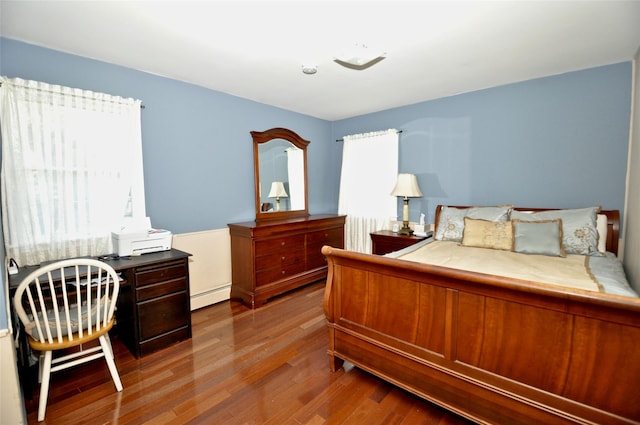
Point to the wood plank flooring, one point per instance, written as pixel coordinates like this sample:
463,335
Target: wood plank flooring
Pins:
242,366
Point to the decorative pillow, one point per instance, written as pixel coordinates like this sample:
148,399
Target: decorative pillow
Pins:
542,237
579,231
487,234
451,219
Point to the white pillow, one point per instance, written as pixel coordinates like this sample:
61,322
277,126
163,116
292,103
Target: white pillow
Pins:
601,225
451,220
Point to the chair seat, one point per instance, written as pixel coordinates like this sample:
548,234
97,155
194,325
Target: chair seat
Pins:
73,341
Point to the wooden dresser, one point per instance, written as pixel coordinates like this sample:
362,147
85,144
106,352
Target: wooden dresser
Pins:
274,256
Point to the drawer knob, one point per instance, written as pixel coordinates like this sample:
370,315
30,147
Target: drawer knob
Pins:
283,272
283,257
282,243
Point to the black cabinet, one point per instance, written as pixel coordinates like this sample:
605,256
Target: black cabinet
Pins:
153,308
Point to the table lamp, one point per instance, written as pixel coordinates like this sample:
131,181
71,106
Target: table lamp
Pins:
277,191
407,187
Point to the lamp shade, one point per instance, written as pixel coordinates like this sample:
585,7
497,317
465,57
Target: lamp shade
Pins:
407,185
277,190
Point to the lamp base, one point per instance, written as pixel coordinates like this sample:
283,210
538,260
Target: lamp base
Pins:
405,230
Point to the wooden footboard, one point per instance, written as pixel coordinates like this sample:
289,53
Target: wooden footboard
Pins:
492,349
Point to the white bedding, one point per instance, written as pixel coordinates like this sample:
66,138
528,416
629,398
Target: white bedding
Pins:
602,274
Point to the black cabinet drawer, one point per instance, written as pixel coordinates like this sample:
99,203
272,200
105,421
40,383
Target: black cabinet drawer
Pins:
164,340
163,314
163,288
159,274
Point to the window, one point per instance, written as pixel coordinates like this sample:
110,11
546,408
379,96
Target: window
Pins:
368,175
71,169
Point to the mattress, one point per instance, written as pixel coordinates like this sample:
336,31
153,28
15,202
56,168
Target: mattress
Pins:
596,273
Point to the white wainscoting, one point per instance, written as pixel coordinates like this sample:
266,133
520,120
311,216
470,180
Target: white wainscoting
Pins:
12,409
209,265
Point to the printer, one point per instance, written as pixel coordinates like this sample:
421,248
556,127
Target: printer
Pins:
137,237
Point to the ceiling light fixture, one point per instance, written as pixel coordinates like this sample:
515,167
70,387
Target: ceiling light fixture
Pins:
359,57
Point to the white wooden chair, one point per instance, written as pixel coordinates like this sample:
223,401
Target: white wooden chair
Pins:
64,305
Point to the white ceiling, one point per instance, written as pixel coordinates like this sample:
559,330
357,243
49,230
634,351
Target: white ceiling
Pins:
256,50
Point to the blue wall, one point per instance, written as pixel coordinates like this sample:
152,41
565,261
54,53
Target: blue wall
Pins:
198,153
559,141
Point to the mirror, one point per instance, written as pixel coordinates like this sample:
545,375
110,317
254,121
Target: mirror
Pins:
280,169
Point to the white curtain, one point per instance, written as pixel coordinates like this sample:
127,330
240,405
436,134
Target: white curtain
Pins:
369,173
295,164
71,169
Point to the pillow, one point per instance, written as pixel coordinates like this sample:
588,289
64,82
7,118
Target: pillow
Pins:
451,219
487,234
50,320
601,225
579,232
542,237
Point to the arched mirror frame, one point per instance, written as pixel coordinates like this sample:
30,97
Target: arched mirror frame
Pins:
260,137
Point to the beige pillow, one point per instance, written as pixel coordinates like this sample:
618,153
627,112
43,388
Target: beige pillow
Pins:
487,234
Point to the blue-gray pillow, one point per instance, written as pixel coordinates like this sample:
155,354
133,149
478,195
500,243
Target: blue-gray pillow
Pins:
579,229
538,237
451,219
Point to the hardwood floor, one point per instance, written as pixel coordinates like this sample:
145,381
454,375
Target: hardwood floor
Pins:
266,366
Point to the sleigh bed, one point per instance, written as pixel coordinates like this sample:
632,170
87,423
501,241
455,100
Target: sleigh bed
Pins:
490,348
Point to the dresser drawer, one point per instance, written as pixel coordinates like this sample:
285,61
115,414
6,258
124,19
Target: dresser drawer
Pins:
159,274
316,240
286,243
163,314
279,259
277,273
331,237
163,288
315,258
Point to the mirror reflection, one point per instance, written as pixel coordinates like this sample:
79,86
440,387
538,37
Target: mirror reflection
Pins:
281,176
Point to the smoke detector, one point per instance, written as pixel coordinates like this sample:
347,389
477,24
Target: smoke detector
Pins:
309,69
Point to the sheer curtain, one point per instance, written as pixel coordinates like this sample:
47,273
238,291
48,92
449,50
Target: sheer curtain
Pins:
295,165
369,172
71,169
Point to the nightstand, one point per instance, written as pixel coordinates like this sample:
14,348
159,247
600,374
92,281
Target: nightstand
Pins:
385,241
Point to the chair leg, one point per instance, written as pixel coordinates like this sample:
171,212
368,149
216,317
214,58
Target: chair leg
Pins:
108,356
45,366
106,336
40,363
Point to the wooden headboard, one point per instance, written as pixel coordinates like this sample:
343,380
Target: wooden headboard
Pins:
613,223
